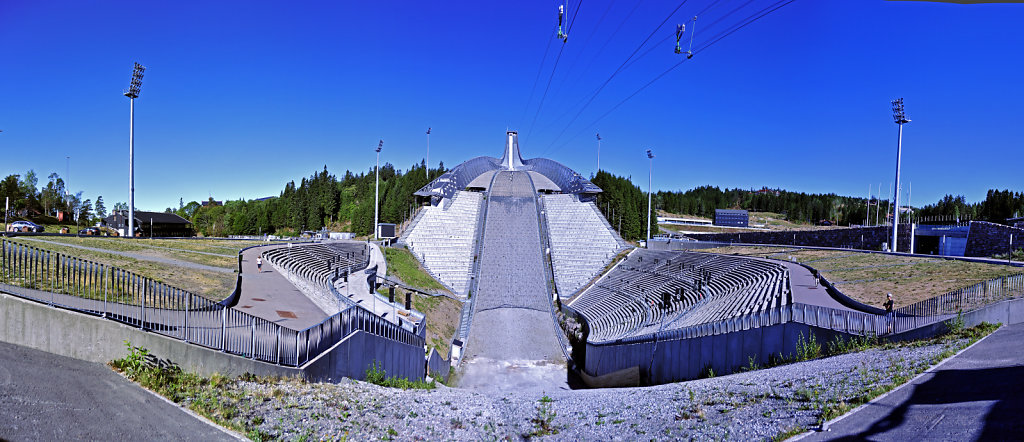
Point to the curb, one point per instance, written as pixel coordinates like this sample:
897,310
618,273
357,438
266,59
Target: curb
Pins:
829,424
232,433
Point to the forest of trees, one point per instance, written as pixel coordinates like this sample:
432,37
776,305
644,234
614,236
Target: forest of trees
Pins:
320,200
28,199
346,204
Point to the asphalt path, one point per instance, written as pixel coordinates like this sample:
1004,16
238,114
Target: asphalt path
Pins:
48,397
269,295
976,395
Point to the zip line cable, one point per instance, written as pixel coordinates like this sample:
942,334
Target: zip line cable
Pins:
572,65
744,23
542,97
619,69
568,27
536,79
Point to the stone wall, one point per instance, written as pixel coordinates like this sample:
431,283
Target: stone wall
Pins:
863,238
986,239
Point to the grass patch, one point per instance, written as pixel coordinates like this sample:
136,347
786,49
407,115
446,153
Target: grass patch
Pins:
402,264
376,375
207,396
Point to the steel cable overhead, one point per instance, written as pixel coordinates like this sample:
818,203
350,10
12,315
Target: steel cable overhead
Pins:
619,69
718,37
536,79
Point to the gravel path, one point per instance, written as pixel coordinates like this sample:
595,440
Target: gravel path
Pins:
755,405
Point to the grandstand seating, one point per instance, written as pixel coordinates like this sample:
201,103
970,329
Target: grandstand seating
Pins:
442,239
582,243
320,262
702,288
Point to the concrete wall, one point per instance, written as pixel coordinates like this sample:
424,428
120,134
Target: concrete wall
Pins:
682,359
864,238
95,339
986,239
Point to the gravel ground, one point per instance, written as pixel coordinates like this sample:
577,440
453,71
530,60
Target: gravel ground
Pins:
753,405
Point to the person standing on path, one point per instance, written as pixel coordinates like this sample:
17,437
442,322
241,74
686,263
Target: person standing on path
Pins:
259,264
889,313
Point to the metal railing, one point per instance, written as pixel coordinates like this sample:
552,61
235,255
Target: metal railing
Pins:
904,319
78,284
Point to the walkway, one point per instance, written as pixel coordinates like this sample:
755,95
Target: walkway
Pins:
48,397
269,295
977,395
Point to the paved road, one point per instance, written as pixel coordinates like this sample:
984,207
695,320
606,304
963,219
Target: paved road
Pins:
269,295
978,395
48,397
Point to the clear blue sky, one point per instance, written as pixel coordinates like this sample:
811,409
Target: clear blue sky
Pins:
242,96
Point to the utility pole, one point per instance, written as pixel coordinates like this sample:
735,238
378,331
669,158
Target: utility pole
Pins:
650,175
598,153
868,214
132,93
900,117
878,203
376,192
428,154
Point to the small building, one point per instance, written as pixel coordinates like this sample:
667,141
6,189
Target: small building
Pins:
731,218
151,224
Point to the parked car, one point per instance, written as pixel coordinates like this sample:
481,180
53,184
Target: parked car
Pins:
90,231
24,226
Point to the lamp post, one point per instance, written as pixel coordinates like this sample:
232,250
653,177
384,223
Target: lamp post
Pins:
376,192
900,118
132,93
428,154
650,174
598,153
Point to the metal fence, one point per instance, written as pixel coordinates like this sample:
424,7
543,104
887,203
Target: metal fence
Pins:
120,295
904,319
968,298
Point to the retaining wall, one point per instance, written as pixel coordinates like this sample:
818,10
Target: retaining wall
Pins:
986,239
863,238
94,339
683,359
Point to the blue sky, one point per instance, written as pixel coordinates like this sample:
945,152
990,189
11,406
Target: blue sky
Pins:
242,96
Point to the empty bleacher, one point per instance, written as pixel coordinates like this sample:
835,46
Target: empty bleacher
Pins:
321,262
582,242
701,288
442,239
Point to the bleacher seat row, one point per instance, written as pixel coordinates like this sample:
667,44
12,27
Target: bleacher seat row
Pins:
653,291
443,237
320,262
582,243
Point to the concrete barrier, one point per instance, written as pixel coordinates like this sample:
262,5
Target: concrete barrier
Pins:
91,338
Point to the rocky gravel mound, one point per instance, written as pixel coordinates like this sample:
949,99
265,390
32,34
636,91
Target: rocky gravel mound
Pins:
754,405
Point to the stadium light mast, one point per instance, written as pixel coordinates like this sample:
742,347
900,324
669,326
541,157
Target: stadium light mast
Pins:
900,118
376,192
132,93
428,154
598,153
650,174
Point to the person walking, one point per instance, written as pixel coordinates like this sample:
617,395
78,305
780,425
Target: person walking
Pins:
889,311
259,264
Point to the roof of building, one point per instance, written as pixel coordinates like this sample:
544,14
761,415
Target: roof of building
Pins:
559,177
156,217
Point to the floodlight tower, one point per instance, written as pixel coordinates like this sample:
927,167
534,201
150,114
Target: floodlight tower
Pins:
376,192
598,153
650,174
132,93
900,118
428,154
